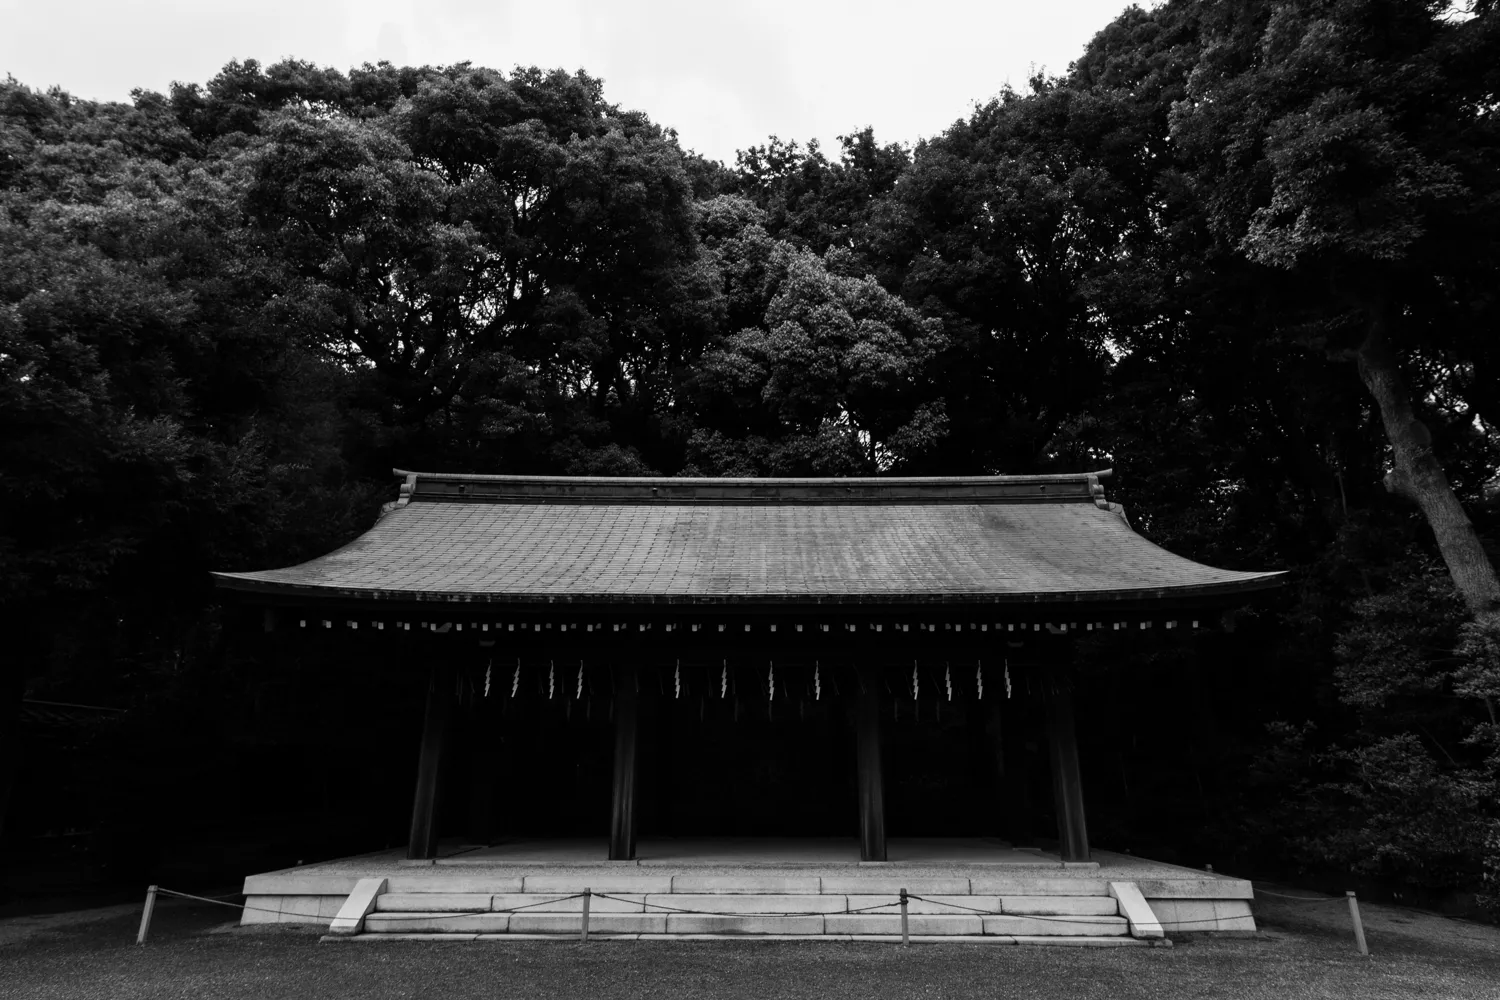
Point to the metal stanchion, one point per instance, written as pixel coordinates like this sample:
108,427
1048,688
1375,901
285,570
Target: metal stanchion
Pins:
1359,927
905,935
583,936
140,937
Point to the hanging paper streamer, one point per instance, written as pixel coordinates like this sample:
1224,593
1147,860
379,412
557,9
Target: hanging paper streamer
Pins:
724,681
515,682
771,681
677,681
551,678
915,682
487,668
979,678
579,695
1007,678
817,683
948,679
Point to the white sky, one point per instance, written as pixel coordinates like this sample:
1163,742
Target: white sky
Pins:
725,75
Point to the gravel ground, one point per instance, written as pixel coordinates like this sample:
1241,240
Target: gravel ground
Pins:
1303,952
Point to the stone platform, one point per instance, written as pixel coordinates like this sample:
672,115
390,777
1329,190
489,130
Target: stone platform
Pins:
808,852
970,890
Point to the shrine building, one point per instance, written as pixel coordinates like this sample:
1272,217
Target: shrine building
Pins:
837,604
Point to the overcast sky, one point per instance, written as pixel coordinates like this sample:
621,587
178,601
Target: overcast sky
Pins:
725,75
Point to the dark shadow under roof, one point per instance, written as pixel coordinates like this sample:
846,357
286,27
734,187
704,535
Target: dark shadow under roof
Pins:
518,539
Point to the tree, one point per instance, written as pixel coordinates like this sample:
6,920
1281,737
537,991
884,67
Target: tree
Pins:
814,203
512,261
829,376
150,427
1349,143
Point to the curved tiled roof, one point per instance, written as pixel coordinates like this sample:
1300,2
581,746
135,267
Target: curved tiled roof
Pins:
561,539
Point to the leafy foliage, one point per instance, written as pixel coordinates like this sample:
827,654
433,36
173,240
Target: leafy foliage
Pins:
1400,815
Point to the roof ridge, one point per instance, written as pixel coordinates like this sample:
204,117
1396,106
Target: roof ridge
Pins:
1077,487
759,481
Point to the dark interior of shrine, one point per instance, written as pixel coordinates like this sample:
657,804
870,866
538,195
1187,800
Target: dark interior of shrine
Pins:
719,757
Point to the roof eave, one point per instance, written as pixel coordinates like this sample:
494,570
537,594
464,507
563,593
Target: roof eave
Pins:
1195,592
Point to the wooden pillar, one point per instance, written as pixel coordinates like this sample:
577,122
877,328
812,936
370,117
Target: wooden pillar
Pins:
423,843
1067,784
627,737
871,776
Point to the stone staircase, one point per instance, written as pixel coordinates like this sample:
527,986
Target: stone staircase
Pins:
1001,909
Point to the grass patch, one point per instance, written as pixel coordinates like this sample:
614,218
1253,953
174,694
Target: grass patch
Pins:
195,954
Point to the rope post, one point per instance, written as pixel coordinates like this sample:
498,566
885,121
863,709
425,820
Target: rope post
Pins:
583,937
1359,926
905,932
140,937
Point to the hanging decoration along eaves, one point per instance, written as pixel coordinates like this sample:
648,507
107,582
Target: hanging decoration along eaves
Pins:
979,678
579,694
677,680
724,682
487,668
948,679
771,680
551,678
1007,677
817,682
533,627
515,682
915,682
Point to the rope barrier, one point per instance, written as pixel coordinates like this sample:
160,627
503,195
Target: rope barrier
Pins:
1300,899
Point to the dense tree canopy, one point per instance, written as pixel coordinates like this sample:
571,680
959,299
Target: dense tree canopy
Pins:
1247,253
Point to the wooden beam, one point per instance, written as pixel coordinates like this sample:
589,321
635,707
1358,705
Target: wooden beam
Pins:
871,774
423,843
627,739
1067,783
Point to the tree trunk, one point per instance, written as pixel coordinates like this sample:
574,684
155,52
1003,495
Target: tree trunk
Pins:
1418,476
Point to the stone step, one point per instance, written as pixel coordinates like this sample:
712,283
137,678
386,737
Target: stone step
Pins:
604,881
746,884
1097,906
513,923
958,905
1083,906
886,886
1007,885
454,902
607,880
1040,926
737,903
529,902
624,885
433,902
742,924
992,939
